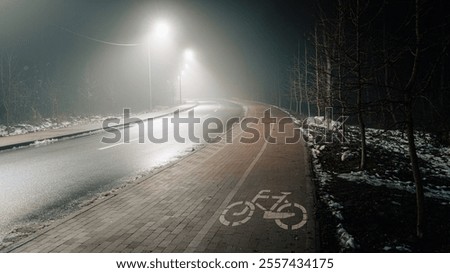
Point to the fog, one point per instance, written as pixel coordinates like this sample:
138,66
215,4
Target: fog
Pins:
90,57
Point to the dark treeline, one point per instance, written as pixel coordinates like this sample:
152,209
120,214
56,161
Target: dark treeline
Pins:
49,67
369,49
55,74
77,78
383,63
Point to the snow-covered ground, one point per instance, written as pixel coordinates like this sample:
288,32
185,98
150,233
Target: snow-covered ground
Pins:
46,124
435,157
435,163
346,240
391,173
50,123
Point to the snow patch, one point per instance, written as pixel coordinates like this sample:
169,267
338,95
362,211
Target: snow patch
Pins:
399,248
345,239
438,192
347,155
44,142
47,124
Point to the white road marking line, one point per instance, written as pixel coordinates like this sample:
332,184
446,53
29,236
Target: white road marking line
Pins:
117,144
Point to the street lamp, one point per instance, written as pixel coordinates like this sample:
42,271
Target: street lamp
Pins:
160,31
179,82
188,55
149,61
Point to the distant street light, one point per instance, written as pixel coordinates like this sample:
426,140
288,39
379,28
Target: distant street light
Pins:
188,55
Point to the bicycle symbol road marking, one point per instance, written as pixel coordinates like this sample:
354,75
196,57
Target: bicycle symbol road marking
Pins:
287,215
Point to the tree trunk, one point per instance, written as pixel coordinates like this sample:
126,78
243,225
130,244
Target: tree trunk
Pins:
306,81
390,105
339,61
329,100
290,93
409,99
362,130
317,72
420,224
359,102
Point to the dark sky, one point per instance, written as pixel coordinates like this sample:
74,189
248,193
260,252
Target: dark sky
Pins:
243,44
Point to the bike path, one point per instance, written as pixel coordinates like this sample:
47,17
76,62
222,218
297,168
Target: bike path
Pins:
222,198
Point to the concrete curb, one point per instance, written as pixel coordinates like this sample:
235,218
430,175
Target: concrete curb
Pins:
91,131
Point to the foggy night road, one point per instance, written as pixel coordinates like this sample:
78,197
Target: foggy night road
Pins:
353,155
41,183
226,197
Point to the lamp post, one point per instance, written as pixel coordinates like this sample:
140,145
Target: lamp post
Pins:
160,32
188,57
149,61
179,87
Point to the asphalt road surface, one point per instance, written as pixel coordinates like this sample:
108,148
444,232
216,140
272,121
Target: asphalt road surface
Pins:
41,183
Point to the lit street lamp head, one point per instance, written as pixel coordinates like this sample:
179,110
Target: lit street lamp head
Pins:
162,29
189,54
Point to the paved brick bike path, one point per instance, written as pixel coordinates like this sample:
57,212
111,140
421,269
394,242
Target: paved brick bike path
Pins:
194,205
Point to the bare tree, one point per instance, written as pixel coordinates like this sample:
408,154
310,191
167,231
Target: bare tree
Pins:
13,88
306,85
6,79
299,81
409,96
317,70
359,99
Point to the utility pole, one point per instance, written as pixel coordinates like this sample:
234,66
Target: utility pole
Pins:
149,60
179,80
